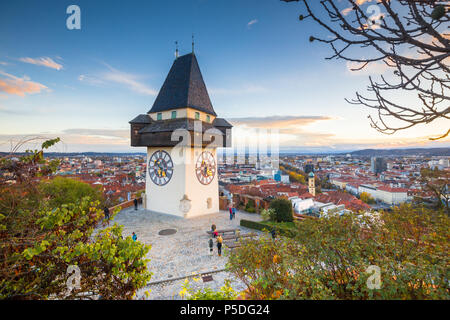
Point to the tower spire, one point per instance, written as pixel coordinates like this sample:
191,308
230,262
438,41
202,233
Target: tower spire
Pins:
176,50
192,43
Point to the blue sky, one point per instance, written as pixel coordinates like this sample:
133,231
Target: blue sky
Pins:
259,67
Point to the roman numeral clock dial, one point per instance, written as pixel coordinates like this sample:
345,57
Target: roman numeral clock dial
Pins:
205,168
160,167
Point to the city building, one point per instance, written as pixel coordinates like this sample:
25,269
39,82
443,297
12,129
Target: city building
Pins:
378,165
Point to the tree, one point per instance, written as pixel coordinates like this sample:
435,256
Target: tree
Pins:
329,258
61,191
406,37
43,239
437,181
283,210
250,206
365,197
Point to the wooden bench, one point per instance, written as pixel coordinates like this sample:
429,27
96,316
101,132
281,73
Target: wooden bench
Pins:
233,245
223,231
248,235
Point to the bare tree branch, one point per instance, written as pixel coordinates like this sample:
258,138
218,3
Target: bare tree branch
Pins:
410,37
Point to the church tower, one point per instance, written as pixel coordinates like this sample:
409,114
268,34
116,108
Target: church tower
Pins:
182,133
311,184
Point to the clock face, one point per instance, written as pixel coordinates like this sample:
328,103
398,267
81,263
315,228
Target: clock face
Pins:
205,167
160,167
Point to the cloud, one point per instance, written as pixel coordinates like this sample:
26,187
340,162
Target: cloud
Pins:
289,131
281,122
92,80
106,133
101,140
252,22
127,80
43,61
19,86
3,63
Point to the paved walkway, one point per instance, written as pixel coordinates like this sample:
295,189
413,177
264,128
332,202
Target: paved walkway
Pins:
181,254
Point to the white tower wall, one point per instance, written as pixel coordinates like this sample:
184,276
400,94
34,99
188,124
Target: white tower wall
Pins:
166,199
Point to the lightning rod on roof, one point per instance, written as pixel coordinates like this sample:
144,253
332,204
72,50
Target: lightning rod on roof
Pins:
176,49
192,43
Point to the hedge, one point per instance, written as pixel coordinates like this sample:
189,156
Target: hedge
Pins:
261,226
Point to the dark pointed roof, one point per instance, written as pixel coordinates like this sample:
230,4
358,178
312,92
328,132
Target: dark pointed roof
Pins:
142,118
184,87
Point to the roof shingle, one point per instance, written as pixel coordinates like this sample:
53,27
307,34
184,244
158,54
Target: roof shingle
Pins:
184,87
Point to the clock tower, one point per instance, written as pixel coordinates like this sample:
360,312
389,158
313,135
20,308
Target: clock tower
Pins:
182,133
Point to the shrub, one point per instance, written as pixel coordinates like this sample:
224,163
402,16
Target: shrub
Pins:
365,197
250,210
268,214
283,210
226,292
254,225
261,226
333,258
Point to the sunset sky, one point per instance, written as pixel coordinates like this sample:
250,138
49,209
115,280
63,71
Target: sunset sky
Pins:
260,69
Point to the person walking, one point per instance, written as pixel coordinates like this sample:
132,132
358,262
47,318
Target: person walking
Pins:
134,237
215,234
234,212
211,246
106,211
135,204
219,245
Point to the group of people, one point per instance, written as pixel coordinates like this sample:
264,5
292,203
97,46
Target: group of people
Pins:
107,218
219,241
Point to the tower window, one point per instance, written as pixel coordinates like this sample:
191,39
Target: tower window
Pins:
197,116
159,116
208,118
174,114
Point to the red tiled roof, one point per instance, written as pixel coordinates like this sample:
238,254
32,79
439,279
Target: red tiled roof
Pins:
392,190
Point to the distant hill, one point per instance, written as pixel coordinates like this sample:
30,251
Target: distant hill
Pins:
84,154
428,152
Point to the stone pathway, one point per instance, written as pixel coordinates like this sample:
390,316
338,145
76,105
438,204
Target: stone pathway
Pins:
181,254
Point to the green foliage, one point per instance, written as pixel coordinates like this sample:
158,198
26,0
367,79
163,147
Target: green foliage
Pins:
250,206
66,190
226,292
283,210
253,225
268,214
42,234
330,256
